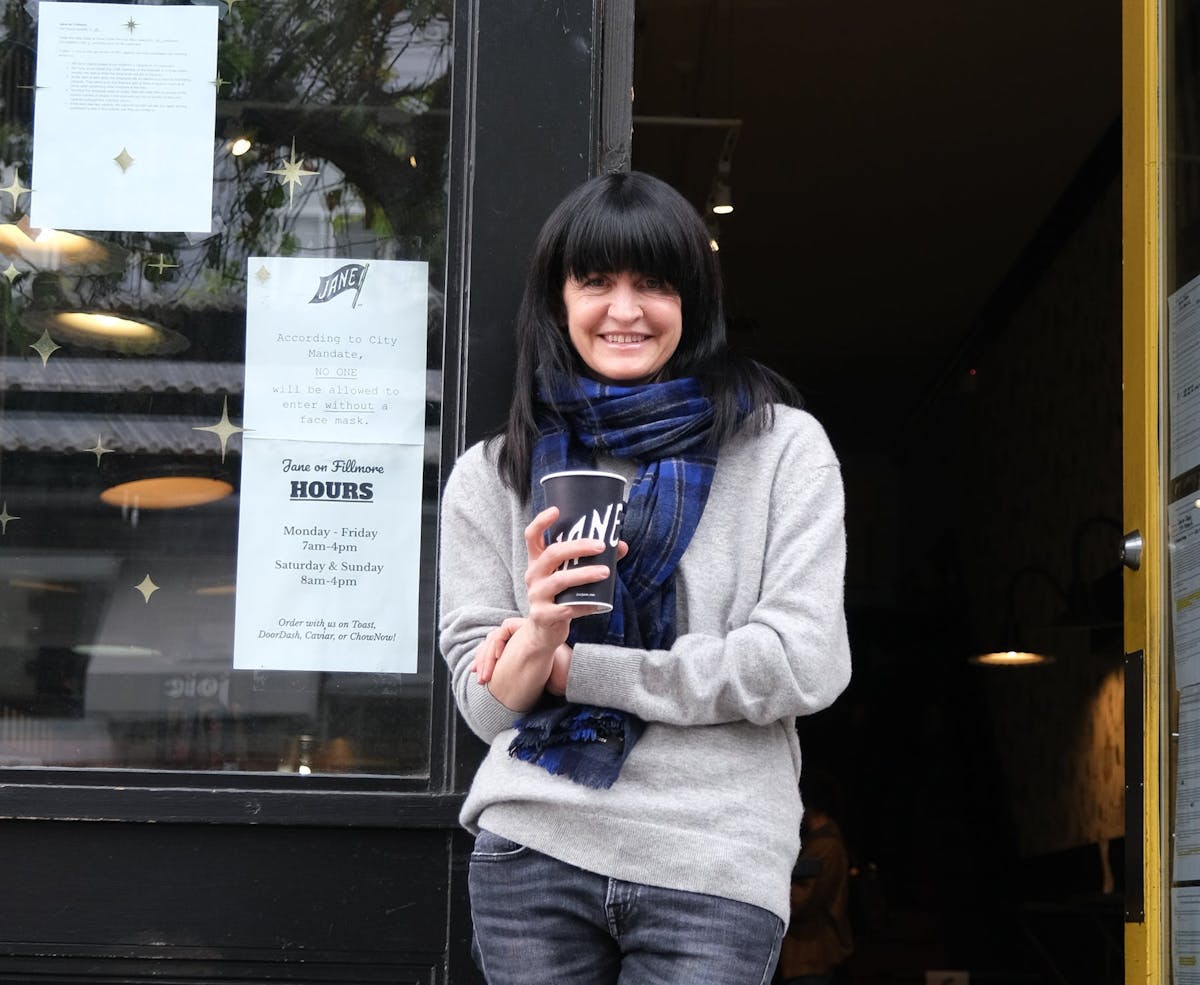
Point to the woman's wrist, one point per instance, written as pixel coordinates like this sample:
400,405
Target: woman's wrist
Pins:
560,669
522,671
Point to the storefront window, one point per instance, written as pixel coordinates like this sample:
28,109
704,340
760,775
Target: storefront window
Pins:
1181,664
220,417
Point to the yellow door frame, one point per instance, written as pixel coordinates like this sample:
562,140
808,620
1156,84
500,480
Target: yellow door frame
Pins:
1146,948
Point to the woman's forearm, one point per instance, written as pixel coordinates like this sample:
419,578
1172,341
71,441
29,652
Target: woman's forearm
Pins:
522,670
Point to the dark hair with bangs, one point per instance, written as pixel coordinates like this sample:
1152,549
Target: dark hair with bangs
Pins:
628,221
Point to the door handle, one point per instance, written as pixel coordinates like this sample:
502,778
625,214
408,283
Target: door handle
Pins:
1131,550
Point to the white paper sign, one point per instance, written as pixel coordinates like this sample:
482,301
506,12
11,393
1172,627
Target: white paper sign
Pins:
1184,372
124,117
1185,935
335,349
1187,787
329,549
1183,524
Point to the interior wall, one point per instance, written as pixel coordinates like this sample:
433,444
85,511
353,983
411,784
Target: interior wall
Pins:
1021,467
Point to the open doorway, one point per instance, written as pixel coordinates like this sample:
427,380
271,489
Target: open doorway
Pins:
925,238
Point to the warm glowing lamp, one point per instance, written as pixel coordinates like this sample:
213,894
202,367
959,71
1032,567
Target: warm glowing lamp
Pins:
166,492
1017,648
105,326
104,330
722,198
54,249
1011,658
240,146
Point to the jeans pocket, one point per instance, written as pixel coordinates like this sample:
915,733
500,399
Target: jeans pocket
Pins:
491,847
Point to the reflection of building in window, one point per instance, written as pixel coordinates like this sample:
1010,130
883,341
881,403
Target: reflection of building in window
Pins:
116,636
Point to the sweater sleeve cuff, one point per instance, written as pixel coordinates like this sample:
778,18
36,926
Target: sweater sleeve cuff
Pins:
489,715
603,675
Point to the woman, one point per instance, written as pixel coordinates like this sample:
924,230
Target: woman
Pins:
637,813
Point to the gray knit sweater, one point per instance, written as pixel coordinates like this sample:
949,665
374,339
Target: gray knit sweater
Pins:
707,800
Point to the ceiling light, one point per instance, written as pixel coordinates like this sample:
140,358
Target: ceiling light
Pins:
114,650
1011,658
104,330
53,249
106,326
1019,647
43,586
166,492
722,198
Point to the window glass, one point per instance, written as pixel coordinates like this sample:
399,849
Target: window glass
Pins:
1181,257
124,359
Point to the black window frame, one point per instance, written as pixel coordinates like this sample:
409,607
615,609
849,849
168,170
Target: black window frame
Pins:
519,73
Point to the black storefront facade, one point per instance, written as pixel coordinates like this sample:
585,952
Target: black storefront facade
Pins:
183,802
166,815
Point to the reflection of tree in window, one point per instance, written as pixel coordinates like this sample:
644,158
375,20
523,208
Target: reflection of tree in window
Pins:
361,88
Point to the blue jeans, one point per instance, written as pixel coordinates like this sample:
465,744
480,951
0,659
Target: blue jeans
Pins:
539,921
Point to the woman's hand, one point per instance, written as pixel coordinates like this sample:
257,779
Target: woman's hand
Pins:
529,645
492,647
544,580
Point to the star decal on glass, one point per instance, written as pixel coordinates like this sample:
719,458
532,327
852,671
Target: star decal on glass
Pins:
45,347
11,272
98,449
263,274
159,265
15,188
131,25
124,160
292,173
223,429
147,587
5,516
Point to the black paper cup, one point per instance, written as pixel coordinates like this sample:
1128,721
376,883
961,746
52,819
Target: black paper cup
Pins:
590,505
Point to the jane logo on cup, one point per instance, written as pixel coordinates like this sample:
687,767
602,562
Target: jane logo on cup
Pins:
604,526
590,505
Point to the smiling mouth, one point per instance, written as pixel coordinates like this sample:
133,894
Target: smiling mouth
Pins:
624,339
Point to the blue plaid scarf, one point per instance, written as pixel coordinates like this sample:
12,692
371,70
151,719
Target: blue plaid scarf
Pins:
667,429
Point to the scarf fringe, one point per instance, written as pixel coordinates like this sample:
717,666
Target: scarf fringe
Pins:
584,743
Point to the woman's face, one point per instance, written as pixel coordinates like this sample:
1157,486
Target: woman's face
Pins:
625,326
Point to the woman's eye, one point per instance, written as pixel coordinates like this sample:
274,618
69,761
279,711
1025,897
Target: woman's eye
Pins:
594,280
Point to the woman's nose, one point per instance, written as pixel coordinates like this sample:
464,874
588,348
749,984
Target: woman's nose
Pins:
624,303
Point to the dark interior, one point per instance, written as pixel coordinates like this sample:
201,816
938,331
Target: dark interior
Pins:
926,238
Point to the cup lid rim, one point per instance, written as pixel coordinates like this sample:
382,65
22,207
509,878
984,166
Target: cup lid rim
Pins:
601,472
